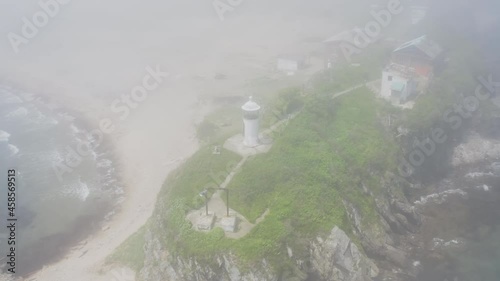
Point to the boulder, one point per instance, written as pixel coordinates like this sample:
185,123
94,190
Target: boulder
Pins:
337,258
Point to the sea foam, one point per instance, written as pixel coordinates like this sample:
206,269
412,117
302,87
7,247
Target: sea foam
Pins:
13,149
78,190
439,198
18,113
4,136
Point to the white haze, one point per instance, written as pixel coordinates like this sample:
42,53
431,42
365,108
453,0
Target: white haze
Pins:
102,47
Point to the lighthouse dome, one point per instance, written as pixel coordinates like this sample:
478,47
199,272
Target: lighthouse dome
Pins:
251,105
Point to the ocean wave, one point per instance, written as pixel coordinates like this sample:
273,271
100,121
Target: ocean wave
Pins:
439,198
53,156
13,149
66,117
484,187
39,118
80,190
18,113
104,163
74,129
5,87
8,98
478,174
441,243
29,97
12,100
51,121
4,136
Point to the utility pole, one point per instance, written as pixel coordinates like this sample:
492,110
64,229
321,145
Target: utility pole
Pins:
227,201
206,205
204,193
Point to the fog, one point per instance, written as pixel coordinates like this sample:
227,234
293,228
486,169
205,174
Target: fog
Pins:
95,47
90,55
98,48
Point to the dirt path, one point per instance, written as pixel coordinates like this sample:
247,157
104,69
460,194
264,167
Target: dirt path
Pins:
367,84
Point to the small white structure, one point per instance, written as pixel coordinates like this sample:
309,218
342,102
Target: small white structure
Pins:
290,64
251,115
398,84
410,70
229,224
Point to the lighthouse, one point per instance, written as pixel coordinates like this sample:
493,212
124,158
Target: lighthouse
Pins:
251,114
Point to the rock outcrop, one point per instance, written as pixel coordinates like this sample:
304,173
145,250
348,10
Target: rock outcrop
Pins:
335,258
161,266
338,259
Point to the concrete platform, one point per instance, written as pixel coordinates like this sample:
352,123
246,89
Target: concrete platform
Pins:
205,223
229,224
235,144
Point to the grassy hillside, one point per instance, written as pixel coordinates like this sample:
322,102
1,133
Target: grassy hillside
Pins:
333,151
327,154
323,157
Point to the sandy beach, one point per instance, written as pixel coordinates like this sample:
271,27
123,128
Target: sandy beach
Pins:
87,65
147,154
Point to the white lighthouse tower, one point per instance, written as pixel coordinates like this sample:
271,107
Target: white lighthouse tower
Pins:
251,115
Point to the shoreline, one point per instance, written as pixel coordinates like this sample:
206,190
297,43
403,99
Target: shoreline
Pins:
160,133
85,257
146,152
48,248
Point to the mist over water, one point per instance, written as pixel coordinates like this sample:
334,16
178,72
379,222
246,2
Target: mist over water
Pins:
467,224
100,48
52,215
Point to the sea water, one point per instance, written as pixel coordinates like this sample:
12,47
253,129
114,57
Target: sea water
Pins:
52,214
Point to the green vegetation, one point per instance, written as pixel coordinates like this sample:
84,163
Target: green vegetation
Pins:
345,77
131,252
454,82
226,121
220,125
451,85
334,150
180,194
287,101
324,156
203,169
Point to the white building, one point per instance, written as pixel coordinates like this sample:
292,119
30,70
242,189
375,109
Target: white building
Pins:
410,70
251,116
290,64
398,84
